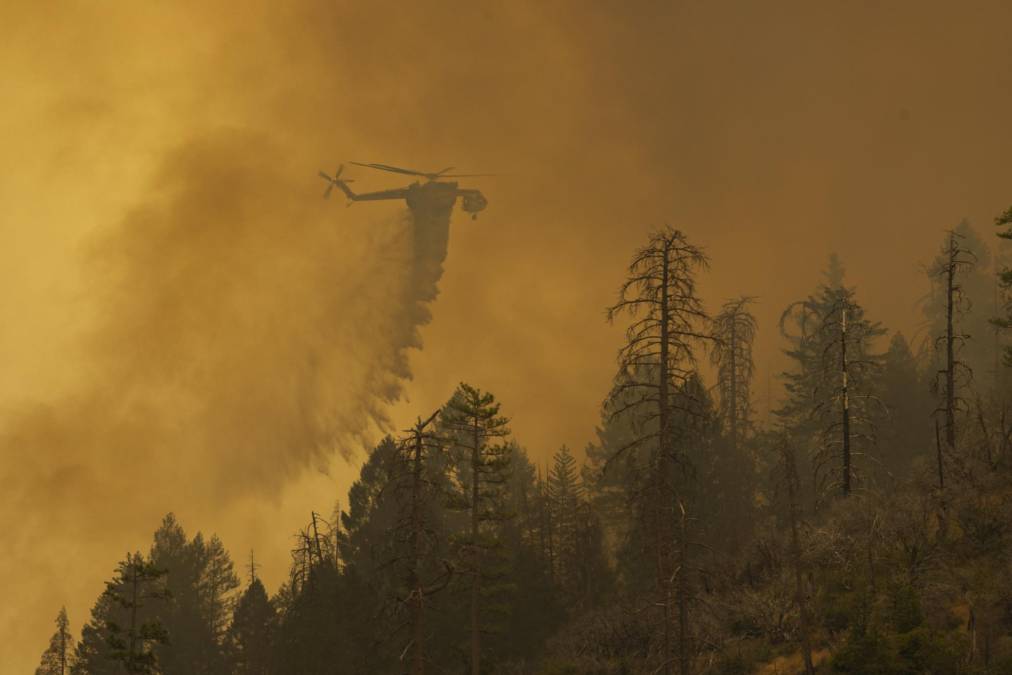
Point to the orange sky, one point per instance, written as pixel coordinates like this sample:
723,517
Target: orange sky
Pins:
185,320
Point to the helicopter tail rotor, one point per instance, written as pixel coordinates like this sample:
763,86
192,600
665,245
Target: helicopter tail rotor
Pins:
334,181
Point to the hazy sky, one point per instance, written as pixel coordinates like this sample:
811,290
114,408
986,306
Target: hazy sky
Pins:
187,326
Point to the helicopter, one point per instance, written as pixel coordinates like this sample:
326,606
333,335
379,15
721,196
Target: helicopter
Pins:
433,193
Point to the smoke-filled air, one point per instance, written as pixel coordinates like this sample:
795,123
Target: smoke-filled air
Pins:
505,338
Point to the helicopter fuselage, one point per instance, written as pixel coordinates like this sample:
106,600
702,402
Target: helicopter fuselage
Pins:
434,194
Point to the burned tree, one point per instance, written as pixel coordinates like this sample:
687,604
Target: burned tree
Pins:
656,365
414,530
315,549
734,331
831,395
1004,220
954,374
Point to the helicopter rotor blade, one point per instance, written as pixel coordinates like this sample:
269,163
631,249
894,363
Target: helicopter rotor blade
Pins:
326,177
466,175
394,169
326,195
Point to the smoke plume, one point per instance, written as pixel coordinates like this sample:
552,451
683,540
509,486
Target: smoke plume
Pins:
245,334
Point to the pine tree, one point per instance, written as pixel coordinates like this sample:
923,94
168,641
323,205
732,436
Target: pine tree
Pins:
216,585
200,578
904,435
565,498
377,554
478,431
58,657
250,636
136,591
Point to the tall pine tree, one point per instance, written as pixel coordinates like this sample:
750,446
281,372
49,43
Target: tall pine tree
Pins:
59,656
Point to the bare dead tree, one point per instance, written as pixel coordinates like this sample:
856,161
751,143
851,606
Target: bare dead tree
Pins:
846,359
416,483
413,526
956,374
656,362
734,331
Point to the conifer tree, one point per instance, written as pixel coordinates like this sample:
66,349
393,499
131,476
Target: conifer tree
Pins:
478,430
251,633
906,434
565,498
200,579
136,589
58,657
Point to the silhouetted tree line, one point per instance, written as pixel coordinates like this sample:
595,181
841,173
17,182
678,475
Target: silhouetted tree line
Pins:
865,526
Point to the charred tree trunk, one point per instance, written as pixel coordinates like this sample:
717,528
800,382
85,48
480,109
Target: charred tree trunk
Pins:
415,582
950,340
938,452
664,571
845,404
734,388
668,320
684,650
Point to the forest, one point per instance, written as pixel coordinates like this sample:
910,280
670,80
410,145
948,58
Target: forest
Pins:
865,526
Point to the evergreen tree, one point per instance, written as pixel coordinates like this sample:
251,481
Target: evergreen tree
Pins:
58,659
905,434
380,566
124,628
477,430
200,579
250,636
565,499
